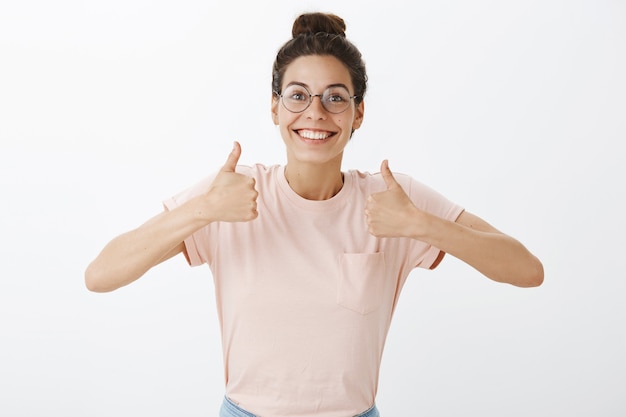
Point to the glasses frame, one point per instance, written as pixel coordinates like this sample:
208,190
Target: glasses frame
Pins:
311,96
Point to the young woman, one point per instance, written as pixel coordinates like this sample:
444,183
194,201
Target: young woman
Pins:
309,260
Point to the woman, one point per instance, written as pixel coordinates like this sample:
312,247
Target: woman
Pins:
309,260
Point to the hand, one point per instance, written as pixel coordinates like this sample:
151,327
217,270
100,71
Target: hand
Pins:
232,196
390,213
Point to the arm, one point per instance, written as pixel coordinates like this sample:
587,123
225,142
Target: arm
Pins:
130,255
491,252
470,239
231,197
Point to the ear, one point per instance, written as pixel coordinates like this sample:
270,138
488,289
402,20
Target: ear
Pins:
358,117
275,101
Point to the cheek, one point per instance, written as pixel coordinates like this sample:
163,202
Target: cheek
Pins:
344,123
285,119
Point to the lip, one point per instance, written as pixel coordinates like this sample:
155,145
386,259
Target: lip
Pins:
314,136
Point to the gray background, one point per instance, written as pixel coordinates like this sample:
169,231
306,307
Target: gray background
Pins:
516,110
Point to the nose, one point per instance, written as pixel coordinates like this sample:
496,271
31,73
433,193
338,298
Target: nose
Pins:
316,109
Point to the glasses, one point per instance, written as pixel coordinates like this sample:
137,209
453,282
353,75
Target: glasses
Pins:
335,99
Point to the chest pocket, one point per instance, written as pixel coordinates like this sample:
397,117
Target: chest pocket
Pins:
360,286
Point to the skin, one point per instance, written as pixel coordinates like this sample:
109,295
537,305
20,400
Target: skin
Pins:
313,171
314,166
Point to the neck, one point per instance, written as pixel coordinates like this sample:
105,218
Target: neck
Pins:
314,182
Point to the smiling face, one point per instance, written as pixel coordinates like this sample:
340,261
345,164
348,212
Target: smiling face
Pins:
315,135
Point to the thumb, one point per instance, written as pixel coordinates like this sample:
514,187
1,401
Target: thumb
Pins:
387,175
233,157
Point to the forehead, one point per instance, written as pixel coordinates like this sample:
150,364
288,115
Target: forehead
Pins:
317,72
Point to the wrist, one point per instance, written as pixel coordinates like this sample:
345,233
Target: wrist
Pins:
200,211
421,225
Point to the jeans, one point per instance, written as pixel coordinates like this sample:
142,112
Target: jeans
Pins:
230,409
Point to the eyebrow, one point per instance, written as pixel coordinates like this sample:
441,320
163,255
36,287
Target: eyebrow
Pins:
308,88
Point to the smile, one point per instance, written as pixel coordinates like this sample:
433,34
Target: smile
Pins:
314,134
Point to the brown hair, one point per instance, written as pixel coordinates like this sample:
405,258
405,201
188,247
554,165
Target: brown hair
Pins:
321,34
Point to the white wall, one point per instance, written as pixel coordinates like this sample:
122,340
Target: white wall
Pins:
516,110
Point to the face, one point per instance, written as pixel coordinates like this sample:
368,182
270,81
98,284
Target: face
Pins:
316,135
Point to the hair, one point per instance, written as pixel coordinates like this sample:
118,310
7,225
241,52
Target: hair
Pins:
321,34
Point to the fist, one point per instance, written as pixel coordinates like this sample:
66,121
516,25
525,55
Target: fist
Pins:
389,213
232,196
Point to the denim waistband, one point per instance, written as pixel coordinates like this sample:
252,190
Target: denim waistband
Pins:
230,409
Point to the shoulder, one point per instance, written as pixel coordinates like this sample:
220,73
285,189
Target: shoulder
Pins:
266,176
256,169
421,194
374,182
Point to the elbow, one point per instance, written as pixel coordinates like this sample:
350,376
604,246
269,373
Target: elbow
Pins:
534,275
94,280
528,275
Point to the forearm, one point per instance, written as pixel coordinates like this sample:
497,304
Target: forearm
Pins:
494,254
130,255
231,197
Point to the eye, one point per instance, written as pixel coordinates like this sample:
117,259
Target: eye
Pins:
297,97
296,94
336,99
337,96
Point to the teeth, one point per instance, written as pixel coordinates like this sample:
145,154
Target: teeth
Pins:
310,134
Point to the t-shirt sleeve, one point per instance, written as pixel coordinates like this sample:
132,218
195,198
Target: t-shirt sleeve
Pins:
196,245
427,199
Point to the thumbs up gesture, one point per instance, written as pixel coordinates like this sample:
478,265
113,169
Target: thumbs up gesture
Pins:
232,196
388,213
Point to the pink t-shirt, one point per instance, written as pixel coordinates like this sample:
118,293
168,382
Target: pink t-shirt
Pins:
305,295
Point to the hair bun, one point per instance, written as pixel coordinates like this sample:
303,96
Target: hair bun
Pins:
311,23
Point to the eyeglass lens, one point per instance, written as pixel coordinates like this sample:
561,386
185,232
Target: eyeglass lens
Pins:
297,99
